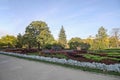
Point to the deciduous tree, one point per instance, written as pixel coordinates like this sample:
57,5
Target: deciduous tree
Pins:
115,37
37,32
76,42
8,41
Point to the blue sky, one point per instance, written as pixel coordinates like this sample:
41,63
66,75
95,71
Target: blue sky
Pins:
80,18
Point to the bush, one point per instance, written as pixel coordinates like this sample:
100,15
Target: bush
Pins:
48,46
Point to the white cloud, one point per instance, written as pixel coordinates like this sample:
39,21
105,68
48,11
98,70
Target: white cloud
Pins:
3,33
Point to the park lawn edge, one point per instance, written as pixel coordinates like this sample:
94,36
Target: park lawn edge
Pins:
68,65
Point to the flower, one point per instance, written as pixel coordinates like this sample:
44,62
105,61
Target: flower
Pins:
101,66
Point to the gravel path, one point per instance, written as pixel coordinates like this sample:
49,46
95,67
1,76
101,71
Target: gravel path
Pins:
12,68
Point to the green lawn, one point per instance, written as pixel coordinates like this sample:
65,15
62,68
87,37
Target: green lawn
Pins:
110,56
94,57
35,53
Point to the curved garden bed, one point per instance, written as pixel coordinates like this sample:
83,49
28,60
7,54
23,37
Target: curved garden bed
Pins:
95,65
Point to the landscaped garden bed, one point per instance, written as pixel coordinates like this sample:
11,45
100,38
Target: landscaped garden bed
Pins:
21,50
106,57
89,61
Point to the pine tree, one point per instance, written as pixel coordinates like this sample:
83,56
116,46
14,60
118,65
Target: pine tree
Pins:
62,38
102,39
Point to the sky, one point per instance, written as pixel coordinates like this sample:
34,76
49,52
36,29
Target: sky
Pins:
80,18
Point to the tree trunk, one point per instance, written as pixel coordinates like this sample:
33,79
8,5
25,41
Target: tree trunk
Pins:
39,46
29,47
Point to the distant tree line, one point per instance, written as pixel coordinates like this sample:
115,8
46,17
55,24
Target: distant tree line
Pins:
38,35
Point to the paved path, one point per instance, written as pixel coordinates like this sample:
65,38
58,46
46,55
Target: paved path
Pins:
12,68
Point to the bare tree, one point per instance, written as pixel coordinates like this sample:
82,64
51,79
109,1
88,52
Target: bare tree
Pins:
116,35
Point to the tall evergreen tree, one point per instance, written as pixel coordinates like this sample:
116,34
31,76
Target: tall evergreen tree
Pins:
19,41
102,39
62,38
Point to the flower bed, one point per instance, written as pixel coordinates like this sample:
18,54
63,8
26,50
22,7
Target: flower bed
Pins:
101,66
22,51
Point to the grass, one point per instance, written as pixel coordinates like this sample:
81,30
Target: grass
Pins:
35,53
115,59
99,58
115,53
93,57
108,51
60,56
70,66
112,54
